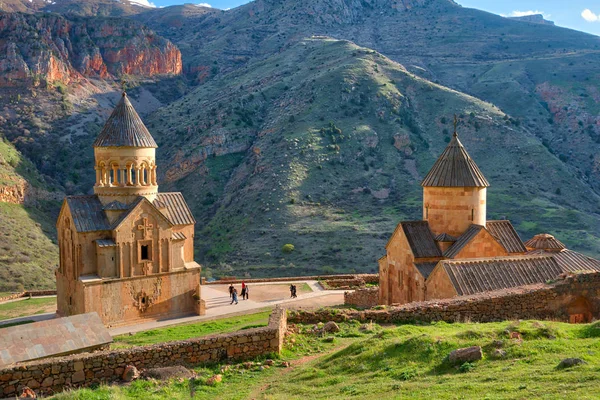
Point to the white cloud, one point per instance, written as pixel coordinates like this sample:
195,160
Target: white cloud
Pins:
204,5
143,3
518,13
589,16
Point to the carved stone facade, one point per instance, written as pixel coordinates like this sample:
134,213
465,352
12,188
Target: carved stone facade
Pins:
127,252
456,251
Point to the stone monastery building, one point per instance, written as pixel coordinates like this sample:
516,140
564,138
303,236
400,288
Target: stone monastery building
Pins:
127,251
456,251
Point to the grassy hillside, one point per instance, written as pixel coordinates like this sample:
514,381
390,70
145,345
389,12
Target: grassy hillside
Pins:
323,147
28,254
403,362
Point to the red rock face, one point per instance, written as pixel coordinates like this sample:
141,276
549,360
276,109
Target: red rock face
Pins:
52,48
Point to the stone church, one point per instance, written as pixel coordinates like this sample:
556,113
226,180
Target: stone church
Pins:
127,251
456,251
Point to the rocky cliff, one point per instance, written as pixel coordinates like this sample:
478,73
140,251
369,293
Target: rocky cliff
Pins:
53,48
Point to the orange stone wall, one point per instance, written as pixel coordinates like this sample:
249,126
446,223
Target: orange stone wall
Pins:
452,210
439,285
119,302
404,283
482,245
383,280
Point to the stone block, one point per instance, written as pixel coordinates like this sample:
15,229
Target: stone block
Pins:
77,377
78,366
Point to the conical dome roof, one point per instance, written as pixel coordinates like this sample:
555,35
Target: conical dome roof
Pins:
455,168
544,241
124,128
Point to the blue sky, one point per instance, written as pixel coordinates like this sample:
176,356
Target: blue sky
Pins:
582,15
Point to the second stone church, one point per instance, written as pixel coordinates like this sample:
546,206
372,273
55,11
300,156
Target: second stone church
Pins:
454,250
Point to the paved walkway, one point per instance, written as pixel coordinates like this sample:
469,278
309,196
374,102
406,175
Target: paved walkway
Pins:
218,305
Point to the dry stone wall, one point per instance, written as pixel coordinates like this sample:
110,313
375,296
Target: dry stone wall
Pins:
55,374
327,279
571,299
27,293
363,298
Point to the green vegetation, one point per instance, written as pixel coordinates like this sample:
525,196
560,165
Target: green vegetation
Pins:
27,254
288,248
367,361
181,332
32,306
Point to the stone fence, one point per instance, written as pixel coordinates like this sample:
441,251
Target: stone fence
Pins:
53,375
571,299
328,279
363,298
28,293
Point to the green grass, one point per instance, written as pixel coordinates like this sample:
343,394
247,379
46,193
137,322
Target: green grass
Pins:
25,307
181,332
27,254
403,362
409,362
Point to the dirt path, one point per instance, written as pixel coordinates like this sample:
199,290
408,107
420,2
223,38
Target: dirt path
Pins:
294,364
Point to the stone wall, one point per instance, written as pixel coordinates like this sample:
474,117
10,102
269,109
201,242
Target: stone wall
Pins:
53,375
366,278
572,299
363,298
27,293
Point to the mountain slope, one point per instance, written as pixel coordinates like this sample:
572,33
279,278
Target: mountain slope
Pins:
541,74
323,146
28,251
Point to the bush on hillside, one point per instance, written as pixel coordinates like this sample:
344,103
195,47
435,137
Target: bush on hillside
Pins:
287,248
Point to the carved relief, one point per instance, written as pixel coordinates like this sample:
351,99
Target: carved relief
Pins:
142,300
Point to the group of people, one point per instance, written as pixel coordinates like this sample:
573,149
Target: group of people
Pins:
293,294
233,294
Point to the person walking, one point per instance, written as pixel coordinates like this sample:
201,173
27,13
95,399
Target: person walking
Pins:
294,291
246,292
291,290
231,290
234,296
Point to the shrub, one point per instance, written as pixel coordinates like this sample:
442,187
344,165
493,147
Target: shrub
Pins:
466,367
287,248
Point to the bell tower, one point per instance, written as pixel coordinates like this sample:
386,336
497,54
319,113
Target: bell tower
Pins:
454,191
125,159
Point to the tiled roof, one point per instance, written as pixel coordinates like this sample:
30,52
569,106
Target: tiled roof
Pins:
178,236
131,206
544,241
420,238
462,241
87,212
504,232
444,237
482,275
124,128
572,261
455,168
425,268
53,337
116,206
105,242
177,210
